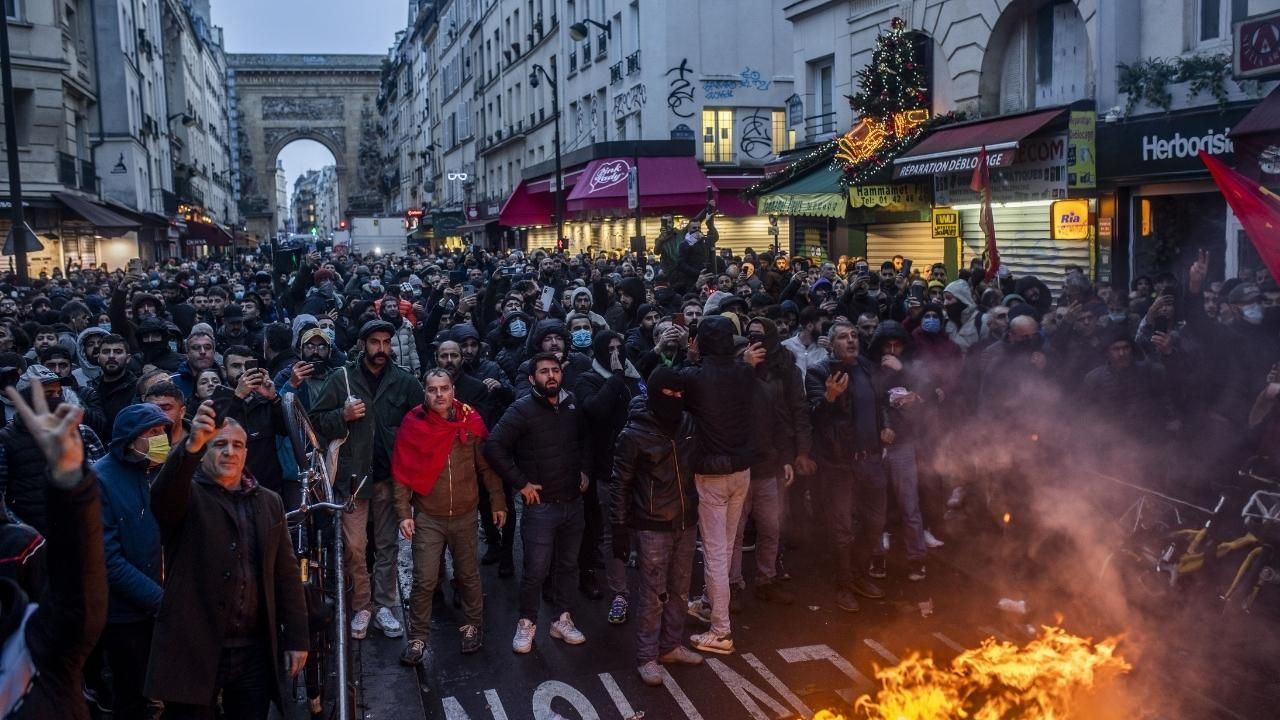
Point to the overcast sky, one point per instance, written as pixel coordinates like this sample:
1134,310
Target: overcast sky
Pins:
309,26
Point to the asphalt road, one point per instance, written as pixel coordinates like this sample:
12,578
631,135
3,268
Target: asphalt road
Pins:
790,661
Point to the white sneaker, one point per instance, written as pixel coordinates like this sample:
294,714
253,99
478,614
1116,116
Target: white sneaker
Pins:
386,622
884,541
713,643
563,629
523,640
360,625
700,609
930,541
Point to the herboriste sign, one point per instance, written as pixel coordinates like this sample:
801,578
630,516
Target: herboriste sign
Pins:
1167,144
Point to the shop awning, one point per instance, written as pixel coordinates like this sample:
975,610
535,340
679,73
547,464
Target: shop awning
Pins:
954,149
817,194
1265,118
206,234
665,182
543,185
729,199
105,221
1257,141
142,217
526,207
477,225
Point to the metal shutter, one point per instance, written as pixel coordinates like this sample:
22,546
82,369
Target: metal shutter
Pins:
910,240
1023,238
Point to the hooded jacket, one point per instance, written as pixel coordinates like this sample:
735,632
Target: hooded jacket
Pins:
604,396
512,348
783,430
720,394
652,484
159,354
86,369
131,537
1043,303
960,327
575,364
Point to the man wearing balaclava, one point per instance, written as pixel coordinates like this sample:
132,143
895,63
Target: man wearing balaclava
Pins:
131,543
653,509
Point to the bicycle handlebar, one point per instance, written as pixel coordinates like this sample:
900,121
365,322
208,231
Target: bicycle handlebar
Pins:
304,509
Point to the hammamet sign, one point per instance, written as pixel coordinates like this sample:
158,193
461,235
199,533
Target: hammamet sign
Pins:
811,204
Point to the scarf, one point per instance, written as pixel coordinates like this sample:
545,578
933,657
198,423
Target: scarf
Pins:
425,441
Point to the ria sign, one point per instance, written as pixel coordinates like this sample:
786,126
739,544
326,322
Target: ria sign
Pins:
609,174
1070,219
1256,46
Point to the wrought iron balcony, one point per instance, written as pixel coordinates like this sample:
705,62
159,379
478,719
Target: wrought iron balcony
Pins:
633,63
615,73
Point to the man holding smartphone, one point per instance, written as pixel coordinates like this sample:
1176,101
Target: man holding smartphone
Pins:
257,408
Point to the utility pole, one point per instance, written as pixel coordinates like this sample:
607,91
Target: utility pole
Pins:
18,220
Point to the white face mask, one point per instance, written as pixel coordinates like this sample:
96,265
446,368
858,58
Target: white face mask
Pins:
1253,313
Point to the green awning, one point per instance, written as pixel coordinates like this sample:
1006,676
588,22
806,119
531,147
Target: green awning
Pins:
817,193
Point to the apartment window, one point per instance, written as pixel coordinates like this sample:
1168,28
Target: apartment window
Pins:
784,138
717,135
24,114
1211,22
13,9
821,80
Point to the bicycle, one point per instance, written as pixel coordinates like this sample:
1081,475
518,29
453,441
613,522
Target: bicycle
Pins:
316,530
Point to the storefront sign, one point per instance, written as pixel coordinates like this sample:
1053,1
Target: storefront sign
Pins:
1082,168
1256,46
957,164
1069,219
1167,144
946,223
1039,172
446,223
812,204
795,110
891,197
608,175
1105,227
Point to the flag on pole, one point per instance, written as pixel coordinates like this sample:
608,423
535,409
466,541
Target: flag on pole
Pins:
1257,209
981,183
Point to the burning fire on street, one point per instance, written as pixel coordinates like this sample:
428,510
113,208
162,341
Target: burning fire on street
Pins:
1053,677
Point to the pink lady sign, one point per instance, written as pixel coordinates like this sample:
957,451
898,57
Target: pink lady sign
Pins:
609,174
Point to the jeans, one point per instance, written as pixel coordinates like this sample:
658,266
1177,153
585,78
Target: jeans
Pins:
246,678
901,465
763,503
385,526
551,534
431,534
666,563
505,538
615,569
127,646
860,489
720,500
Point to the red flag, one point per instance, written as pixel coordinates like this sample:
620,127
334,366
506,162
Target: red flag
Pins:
981,183
1257,208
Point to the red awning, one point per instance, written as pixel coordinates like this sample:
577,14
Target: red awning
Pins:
1257,142
954,149
543,185
212,235
729,198
525,207
665,182
1265,118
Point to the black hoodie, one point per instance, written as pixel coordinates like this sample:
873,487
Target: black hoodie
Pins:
720,396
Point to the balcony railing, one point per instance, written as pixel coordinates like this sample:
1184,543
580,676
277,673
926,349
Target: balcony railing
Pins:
88,176
602,45
67,170
615,73
823,124
573,62
633,63
586,53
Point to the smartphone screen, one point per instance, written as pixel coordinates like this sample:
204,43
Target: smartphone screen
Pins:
548,297
250,365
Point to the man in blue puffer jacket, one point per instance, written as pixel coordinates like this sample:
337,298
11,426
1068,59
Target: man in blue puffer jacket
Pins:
131,540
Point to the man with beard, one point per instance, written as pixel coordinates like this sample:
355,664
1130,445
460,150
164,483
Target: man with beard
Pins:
404,342
22,465
257,408
582,302
670,345
536,448
622,316
113,390
551,336
306,376
324,296
580,333
364,401
234,331
200,357
87,343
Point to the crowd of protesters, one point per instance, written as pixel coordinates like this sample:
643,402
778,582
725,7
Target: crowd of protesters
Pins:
608,412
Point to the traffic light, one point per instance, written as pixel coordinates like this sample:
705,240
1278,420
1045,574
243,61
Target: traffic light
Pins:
342,224
561,244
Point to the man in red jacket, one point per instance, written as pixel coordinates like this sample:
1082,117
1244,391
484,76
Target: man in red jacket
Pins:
438,464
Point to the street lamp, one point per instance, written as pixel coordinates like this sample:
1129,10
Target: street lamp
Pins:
578,31
555,113
187,120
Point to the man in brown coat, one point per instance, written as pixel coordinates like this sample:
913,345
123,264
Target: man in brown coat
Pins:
438,464
233,614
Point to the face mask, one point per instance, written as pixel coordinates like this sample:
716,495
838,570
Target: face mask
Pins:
158,449
581,338
239,295
518,328
105,326
155,283
1253,313
326,286
173,346
331,335
931,325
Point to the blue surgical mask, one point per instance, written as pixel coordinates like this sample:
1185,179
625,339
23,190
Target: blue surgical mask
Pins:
332,335
105,326
518,328
931,325
239,295
581,338
1253,313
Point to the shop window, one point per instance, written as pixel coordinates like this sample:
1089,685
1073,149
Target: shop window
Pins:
717,135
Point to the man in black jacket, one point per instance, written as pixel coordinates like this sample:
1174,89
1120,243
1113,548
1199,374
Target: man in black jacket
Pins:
720,396
47,644
110,392
654,502
257,408
536,450
850,428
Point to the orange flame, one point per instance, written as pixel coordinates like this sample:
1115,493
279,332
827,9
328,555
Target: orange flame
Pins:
1047,679
1007,518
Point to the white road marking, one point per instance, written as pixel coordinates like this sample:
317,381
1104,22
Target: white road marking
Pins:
745,691
682,700
615,692
882,651
552,689
495,705
949,642
807,653
777,685
453,710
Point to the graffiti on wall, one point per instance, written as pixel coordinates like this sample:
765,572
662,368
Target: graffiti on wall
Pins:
680,89
631,101
756,138
748,79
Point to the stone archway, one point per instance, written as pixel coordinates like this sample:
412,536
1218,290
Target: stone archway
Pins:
281,98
